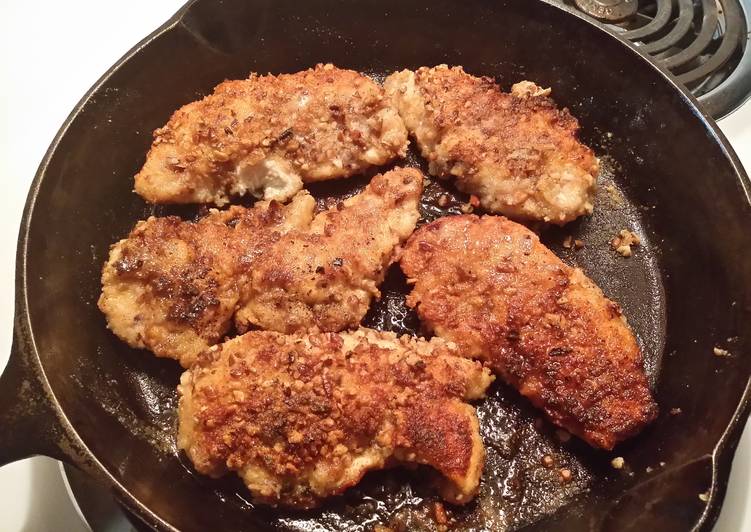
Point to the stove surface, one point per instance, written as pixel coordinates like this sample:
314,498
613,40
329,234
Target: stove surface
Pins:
702,42
53,52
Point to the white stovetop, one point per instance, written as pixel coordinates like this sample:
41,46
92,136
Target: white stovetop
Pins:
52,53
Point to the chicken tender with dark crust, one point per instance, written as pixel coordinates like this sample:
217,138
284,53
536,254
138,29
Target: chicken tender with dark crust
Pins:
327,275
304,417
173,286
517,152
490,286
267,135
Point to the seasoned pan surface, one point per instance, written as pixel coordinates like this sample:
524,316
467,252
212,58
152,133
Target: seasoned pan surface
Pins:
667,175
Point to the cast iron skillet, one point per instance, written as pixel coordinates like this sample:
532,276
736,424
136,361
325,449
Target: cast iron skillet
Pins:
75,392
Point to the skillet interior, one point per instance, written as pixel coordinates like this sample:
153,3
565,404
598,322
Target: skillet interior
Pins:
678,189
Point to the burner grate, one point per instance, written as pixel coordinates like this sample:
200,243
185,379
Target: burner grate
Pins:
703,43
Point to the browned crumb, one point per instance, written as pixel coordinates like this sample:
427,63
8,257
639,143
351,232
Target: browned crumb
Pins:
617,462
440,513
566,475
675,411
614,194
548,461
624,240
443,201
466,208
571,242
719,352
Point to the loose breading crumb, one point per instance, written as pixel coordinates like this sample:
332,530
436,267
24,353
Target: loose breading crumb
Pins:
719,352
623,241
614,194
566,475
649,469
440,513
675,411
571,242
548,461
704,497
617,462
624,250
527,89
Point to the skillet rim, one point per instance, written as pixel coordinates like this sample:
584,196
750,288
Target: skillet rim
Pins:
721,455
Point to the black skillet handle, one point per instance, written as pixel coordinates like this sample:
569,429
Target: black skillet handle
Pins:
29,424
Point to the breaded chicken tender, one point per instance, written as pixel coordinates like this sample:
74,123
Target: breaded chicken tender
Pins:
518,153
304,417
327,275
172,286
490,286
267,135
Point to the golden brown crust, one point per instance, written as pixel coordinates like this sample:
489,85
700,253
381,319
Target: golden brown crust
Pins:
326,275
304,417
517,152
172,286
490,286
268,134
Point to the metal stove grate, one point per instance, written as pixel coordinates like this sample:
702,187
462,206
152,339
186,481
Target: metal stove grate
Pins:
703,43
